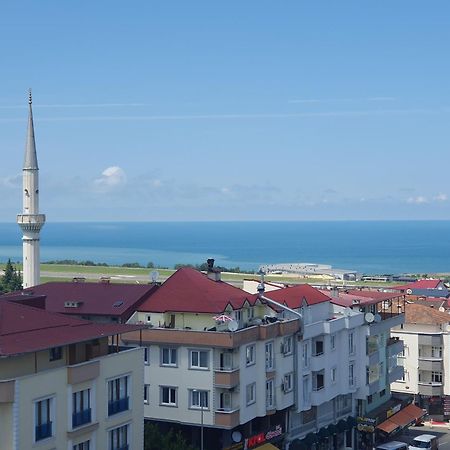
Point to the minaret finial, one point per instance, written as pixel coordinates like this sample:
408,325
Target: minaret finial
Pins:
30,98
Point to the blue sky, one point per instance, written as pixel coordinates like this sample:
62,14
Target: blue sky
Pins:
255,110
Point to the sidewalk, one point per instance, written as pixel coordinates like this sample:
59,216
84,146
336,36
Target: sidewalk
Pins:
436,423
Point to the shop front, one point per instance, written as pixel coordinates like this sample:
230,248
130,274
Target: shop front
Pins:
266,440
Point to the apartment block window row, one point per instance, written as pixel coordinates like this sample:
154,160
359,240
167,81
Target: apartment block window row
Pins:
118,438
198,398
118,396
169,356
198,359
168,396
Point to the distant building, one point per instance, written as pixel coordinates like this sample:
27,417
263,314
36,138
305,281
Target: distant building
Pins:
311,270
423,288
62,386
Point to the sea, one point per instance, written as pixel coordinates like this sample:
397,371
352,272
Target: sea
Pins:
372,247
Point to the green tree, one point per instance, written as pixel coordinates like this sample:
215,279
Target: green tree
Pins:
11,279
154,439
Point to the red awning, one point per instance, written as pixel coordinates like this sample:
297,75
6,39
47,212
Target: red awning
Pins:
402,419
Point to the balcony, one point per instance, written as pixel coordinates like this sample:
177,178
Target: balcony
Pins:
431,364
430,388
118,406
394,346
43,431
226,378
396,373
227,418
81,418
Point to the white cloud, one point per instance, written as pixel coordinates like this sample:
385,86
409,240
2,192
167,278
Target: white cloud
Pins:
112,177
441,197
12,181
420,199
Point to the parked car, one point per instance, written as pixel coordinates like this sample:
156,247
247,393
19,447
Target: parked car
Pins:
393,445
427,441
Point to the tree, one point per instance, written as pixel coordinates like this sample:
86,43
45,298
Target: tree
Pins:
11,279
155,439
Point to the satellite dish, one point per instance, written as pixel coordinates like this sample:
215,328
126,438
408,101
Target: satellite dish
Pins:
154,275
232,325
441,309
409,291
369,317
377,318
236,436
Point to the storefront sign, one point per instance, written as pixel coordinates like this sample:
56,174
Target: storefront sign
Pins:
390,412
366,424
258,439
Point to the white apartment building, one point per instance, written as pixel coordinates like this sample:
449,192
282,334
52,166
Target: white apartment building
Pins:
426,358
63,387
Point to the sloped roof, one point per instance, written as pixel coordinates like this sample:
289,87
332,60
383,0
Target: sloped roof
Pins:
189,290
360,297
24,329
293,296
419,284
426,315
106,299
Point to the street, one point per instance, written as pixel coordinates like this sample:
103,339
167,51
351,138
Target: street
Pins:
442,433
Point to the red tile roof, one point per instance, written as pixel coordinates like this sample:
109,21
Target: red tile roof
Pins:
358,297
189,290
425,315
419,284
24,329
293,296
94,298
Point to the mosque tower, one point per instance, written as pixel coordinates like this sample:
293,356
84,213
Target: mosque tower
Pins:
30,221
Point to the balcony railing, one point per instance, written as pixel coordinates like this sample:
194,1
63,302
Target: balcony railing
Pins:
43,431
118,406
81,417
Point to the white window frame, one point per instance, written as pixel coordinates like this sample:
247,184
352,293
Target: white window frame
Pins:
125,427
198,352
288,382
305,354
173,389
51,417
172,354
250,313
146,394
333,341
82,445
250,394
351,374
225,401
333,374
147,356
270,355
197,399
250,355
270,394
351,343
287,345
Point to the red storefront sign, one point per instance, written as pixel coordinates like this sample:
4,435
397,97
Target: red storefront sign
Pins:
258,439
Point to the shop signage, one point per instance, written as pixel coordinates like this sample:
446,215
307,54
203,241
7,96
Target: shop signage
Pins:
395,409
258,439
366,424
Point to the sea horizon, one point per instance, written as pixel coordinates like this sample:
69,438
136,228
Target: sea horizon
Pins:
368,246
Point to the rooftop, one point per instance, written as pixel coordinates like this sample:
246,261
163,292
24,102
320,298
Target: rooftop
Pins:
425,315
420,284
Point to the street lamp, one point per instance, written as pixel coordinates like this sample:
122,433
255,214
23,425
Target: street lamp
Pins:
201,396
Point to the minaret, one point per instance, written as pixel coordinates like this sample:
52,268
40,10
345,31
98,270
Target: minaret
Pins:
30,221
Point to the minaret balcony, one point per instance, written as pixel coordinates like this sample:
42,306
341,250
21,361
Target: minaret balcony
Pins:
31,222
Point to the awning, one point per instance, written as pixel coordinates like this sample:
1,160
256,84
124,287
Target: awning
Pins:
268,447
405,417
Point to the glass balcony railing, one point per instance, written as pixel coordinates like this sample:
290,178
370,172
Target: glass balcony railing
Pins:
81,417
117,406
43,431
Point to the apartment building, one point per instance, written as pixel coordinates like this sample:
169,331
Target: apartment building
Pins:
425,358
62,386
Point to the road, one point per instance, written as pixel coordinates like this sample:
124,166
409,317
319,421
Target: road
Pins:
442,433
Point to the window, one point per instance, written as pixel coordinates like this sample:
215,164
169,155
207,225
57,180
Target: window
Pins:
169,356
118,438
146,356
198,399
146,394
226,361
43,419
168,396
250,393
148,318
305,355
369,399
86,445
287,345
225,401
118,395
436,352
351,344
199,359
383,393
288,380
436,377
269,394
250,355
81,408
318,380
238,316
318,347
351,378
333,342
55,353
269,356
250,313
306,390
333,374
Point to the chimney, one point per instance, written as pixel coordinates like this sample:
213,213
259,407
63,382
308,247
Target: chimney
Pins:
212,273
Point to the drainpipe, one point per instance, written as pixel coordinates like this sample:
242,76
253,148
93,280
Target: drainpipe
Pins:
265,299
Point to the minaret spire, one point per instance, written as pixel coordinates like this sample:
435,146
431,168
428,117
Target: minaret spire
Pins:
30,221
